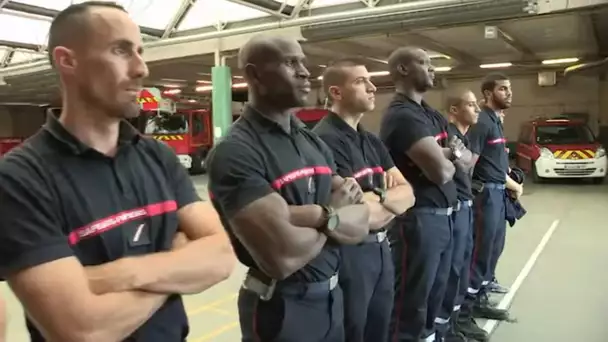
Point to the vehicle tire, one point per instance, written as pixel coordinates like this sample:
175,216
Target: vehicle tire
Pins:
198,160
535,177
598,180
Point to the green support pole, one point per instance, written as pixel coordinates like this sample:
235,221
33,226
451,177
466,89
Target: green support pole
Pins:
222,101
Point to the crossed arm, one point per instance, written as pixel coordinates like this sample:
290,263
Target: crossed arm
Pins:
280,238
62,297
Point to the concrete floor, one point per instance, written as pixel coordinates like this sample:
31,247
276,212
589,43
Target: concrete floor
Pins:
561,299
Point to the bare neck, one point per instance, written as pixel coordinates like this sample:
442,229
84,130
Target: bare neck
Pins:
409,92
352,119
280,116
91,126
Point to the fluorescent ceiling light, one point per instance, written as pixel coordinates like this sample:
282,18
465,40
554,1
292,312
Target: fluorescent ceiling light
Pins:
205,88
560,61
174,91
172,85
496,65
443,69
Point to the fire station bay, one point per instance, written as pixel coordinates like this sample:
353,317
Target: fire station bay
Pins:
538,71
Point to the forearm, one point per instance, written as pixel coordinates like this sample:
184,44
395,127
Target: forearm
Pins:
102,318
309,215
354,224
197,266
379,216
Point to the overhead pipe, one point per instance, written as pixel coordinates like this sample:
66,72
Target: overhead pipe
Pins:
368,12
364,13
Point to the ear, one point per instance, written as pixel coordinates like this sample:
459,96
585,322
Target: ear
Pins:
334,92
64,59
251,73
403,69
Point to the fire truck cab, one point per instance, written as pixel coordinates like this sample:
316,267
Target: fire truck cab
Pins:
560,148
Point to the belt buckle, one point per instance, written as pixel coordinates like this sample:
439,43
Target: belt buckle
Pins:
333,281
255,285
380,236
450,211
458,204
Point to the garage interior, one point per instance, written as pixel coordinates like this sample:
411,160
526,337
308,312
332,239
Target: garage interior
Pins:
553,51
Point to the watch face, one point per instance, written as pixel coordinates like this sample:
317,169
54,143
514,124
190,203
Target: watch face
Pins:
333,222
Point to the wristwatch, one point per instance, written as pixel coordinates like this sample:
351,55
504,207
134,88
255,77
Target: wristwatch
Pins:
456,154
332,220
381,193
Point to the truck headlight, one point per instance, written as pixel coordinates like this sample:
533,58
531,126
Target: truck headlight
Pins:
600,152
546,153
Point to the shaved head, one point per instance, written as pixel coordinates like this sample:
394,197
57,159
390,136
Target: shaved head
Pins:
410,67
274,69
72,25
462,106
261,50
456,96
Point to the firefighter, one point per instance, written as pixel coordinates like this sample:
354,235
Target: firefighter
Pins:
463,112
367,273
275,185
90,208
490,179
417,139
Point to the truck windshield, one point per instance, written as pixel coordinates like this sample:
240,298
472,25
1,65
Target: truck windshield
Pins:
166,124
565,134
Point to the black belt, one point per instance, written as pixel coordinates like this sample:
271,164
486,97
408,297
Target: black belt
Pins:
264,286
434,211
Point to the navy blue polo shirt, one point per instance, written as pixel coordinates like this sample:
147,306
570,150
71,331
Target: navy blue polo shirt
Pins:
404,123
488,141
258,157
60,198
357,153
461,178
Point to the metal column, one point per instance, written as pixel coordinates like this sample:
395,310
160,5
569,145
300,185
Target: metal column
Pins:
221,79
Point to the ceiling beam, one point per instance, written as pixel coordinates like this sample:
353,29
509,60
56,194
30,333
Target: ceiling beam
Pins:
596,30
3,2
275,8
425,42
8,55
528,54
185,6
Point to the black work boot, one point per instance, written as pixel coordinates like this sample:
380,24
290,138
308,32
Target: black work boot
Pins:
466,326
484,308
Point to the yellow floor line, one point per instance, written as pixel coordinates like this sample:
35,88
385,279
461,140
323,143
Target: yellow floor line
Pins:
206,307
216,332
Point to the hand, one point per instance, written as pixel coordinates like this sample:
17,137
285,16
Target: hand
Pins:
179,241
115,276
347,193
456,144
516,194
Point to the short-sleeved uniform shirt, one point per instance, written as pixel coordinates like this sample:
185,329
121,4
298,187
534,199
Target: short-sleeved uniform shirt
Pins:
461,178
59,198
256,158
487,140
357,153
405,122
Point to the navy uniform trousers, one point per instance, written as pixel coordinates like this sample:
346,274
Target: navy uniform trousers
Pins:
297,312
489,238
458,282
421,244
367,277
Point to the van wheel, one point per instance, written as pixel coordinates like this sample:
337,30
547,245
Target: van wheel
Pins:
197,163
535,177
